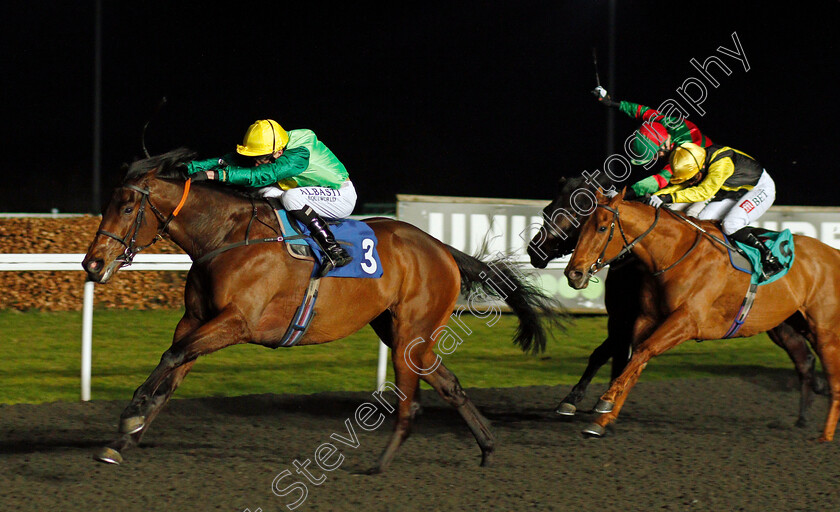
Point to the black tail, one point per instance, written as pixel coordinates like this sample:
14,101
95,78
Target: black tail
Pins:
500,278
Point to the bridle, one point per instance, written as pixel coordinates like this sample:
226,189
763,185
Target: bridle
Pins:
628,246
129,241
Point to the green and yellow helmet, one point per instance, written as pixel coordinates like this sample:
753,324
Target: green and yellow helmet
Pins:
263,138
686,161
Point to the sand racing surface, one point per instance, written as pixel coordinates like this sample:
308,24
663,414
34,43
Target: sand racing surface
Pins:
715,444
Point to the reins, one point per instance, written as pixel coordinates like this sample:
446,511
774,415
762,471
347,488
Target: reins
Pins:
129,241
703,231
628,246
279,238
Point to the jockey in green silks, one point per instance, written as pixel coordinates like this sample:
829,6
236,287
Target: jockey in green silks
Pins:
296,167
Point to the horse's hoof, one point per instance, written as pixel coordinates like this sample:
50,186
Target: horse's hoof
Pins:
132,425
109,456
416,409
566,409
594,430
603,406
486,459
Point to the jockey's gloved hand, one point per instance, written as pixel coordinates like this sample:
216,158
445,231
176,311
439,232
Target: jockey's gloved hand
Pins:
205,176
604,97
655,201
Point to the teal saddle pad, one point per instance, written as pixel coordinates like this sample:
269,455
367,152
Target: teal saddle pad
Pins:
780,244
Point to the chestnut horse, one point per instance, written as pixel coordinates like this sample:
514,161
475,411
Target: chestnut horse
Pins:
627,286
700,294
248,294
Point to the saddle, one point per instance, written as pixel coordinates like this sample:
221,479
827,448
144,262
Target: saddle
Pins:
357,238
748,259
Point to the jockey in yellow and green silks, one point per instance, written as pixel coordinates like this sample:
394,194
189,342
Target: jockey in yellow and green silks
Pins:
656,137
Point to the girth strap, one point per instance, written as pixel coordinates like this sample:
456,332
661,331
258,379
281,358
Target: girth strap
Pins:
303,315
741,317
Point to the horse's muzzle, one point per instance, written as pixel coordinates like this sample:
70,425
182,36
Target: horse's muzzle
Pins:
578,279
538,259
97,271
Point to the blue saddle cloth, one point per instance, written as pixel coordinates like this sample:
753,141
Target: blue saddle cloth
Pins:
780,244
355,236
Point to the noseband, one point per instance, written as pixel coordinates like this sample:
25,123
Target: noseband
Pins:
129,241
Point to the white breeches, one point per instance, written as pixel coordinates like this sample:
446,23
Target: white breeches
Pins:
327,202
736,213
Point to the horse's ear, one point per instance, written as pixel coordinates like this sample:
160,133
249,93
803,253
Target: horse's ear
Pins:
600,197
618,197
561,184
124,169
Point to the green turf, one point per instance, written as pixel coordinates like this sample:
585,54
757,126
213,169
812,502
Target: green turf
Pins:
40,354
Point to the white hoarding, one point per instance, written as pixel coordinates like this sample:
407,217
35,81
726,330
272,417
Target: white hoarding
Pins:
507,225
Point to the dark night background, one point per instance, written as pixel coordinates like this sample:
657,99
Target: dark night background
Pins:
459,98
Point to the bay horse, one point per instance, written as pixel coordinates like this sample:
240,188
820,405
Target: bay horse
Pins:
248,294
700,294
627,286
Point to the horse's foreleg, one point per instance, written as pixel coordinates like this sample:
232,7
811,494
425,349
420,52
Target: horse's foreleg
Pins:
131,436
228,328
598,358
669,334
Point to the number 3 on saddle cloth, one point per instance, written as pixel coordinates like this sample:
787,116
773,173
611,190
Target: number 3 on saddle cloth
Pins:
781,245
356,237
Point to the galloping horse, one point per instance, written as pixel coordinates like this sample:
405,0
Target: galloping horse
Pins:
248,294
629,285
700,294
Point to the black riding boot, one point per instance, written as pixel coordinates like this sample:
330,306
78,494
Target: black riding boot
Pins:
769,262
334,254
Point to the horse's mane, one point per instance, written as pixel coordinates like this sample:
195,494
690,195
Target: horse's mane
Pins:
569,184
170,165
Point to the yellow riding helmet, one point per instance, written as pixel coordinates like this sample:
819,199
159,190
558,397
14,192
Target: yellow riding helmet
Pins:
263,138
686,161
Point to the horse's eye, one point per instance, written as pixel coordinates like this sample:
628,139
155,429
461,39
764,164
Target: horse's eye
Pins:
128,209
602,229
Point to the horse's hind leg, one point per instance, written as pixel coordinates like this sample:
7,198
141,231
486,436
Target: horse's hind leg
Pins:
788,338
384,328
828,349
407,381
446,384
